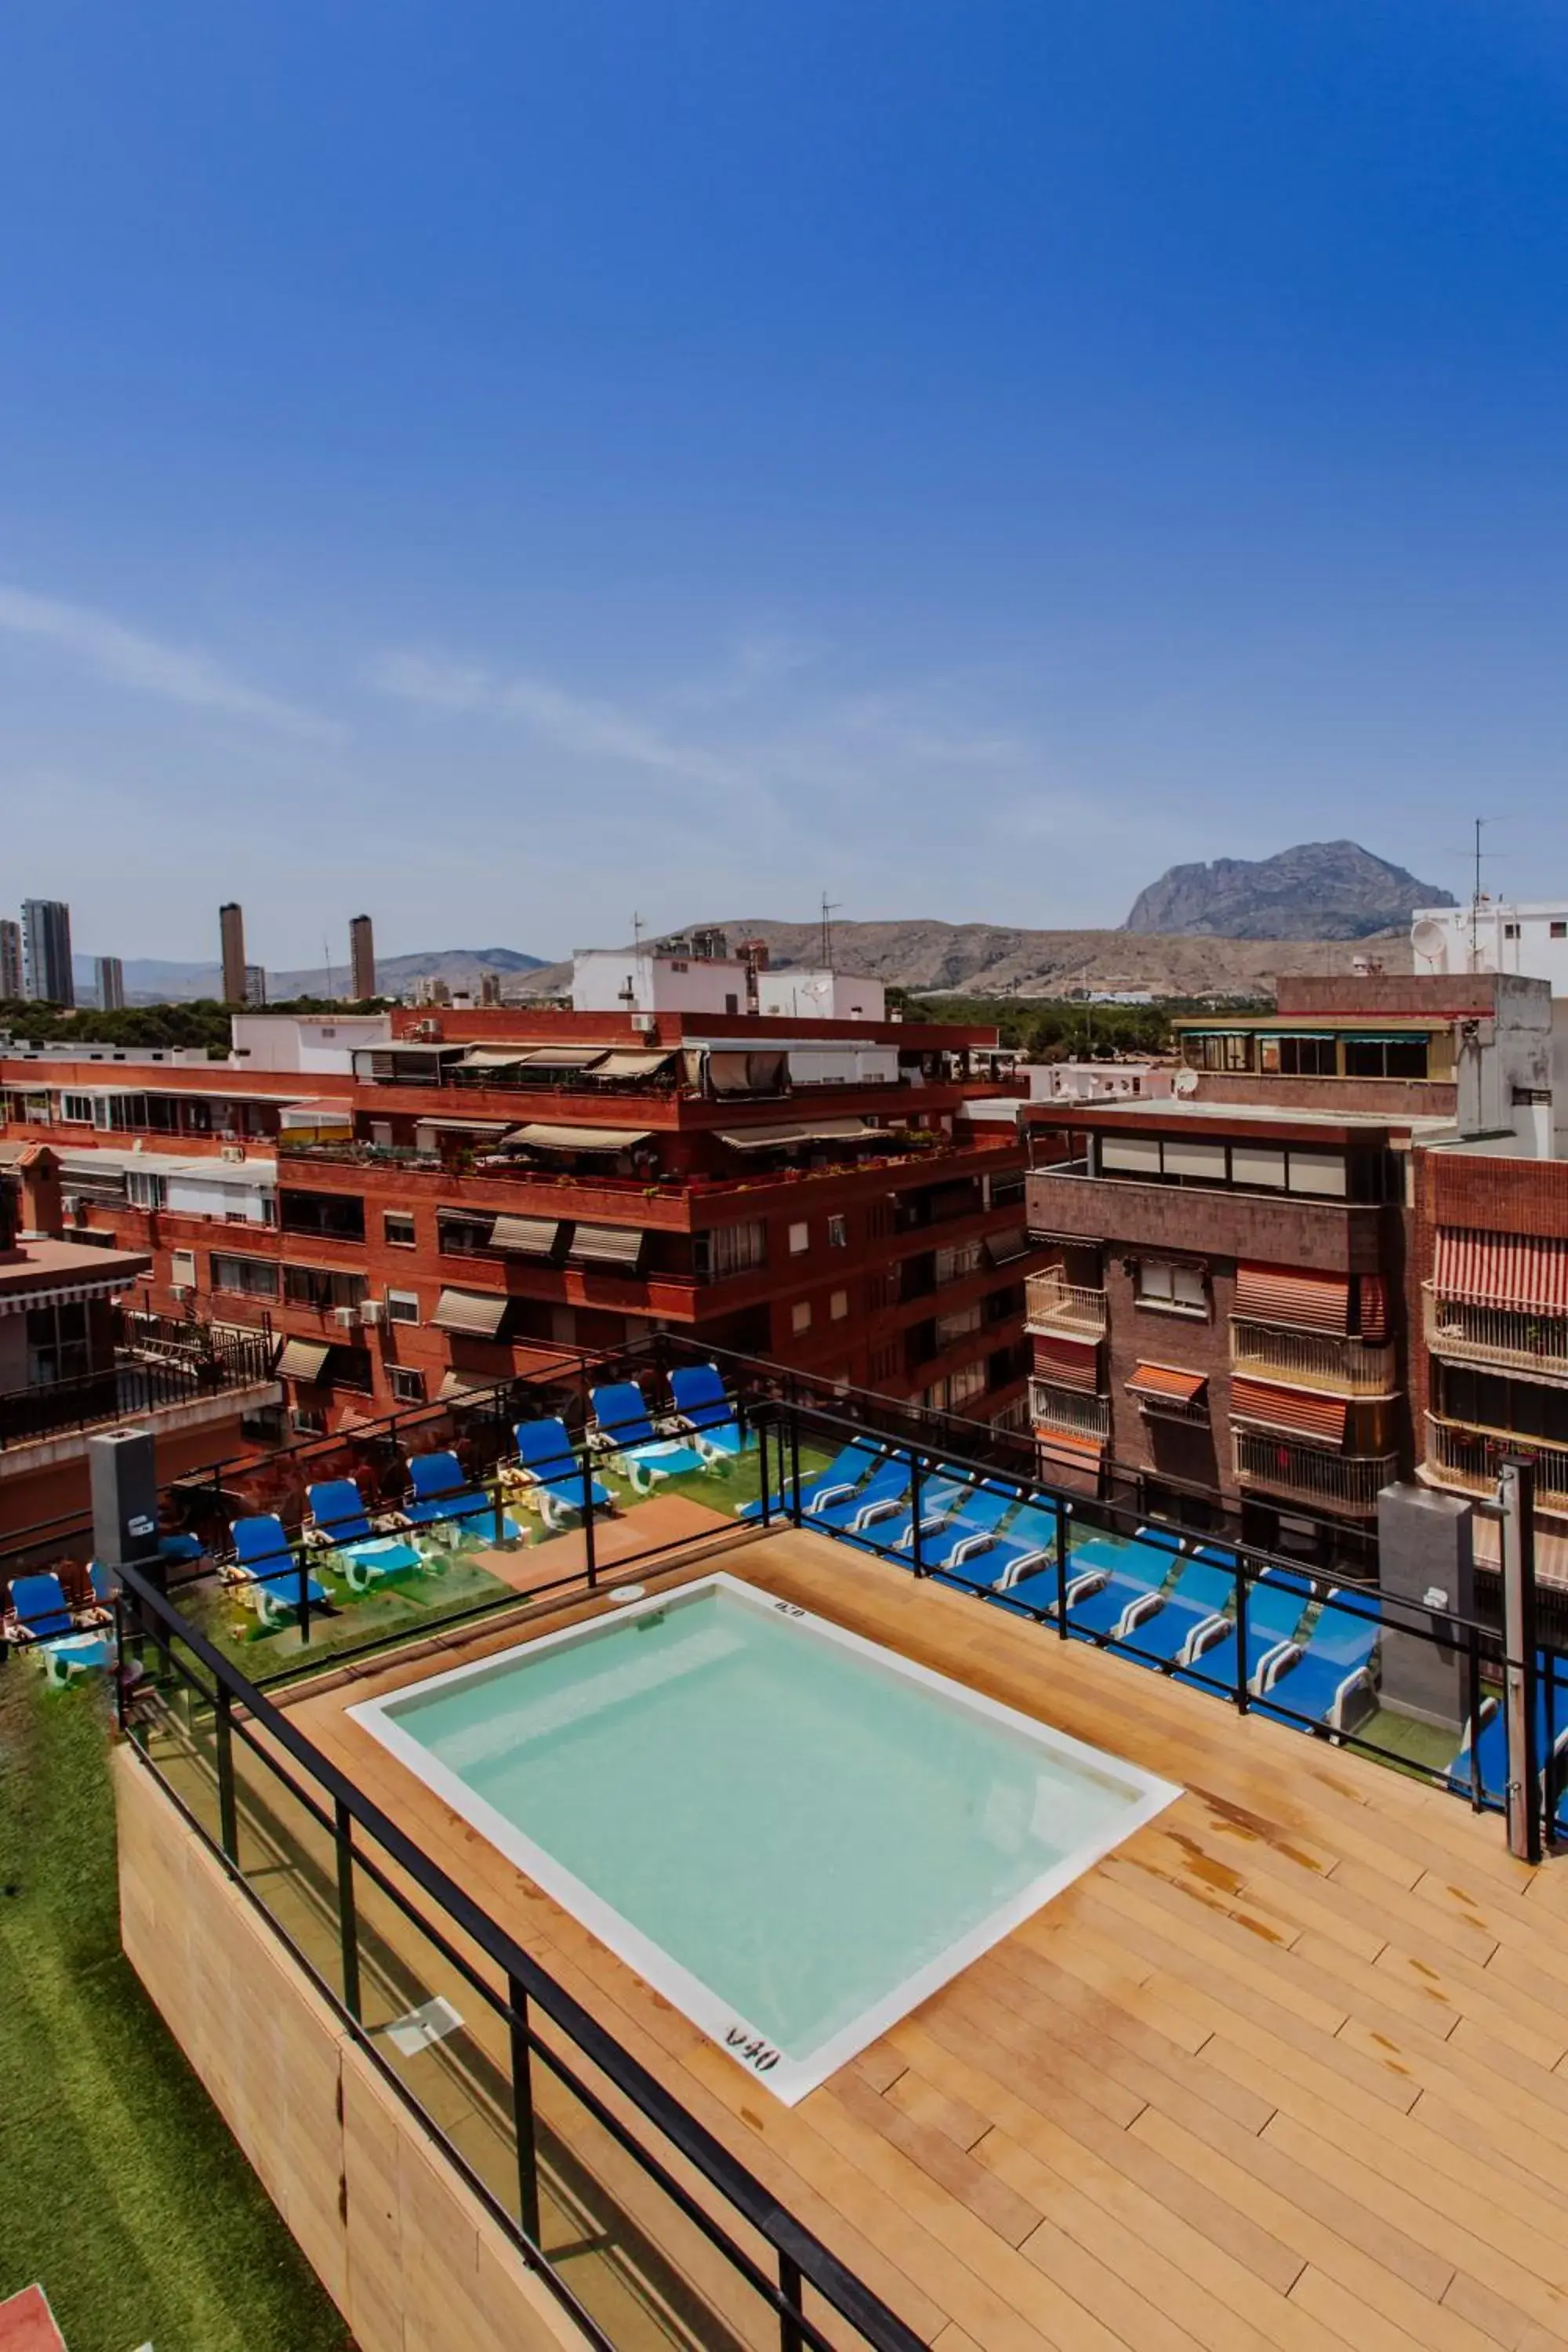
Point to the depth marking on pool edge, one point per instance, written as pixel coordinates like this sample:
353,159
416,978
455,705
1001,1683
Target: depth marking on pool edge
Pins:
750,2048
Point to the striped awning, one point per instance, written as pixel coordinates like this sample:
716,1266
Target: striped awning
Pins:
528,1236
1296,1412
1075,1443
1294,1296
472,1314
1374,1316
1165,1383
1502,1270
302,1359
1071,1363
70,1294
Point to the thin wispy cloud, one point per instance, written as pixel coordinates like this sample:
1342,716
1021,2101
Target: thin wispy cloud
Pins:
124,656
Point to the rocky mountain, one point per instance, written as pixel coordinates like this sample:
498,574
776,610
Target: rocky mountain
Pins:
1319,890
989,960
151,982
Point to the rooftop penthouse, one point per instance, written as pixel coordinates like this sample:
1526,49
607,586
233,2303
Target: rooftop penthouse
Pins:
1183,2015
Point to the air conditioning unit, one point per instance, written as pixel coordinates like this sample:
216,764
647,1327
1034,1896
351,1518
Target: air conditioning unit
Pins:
345,1318
372,1313
645,1023
232,1151
181,1290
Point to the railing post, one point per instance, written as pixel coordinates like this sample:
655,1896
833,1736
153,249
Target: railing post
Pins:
917,1489
792,2335
1516,1493
1473,1677
523,2113
590,1534
348,1922
304,1597
764,1464
795,1511
1241,1633
228,1811
1061,1511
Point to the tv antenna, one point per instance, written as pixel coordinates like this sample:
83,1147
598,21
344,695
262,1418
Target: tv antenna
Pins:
829,908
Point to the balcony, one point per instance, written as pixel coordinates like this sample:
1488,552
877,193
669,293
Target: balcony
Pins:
1055,1305
1509,1336
1325,1236
1075,1411
1314,1360
1466,1460
178,1382
1311,1475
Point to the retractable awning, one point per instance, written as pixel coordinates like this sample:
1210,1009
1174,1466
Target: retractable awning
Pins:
1502,1270
526,1236
1074,1443
302,1359
805,1131
539,1138
630,1065
1296,1413
1293,1296
1167,1384
1070,1363
620,1246
457,1124
495,1058
562,1057
1003,1248
472,1314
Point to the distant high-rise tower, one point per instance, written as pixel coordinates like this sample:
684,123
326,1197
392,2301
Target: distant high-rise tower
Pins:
47,951
254,984
231,932
361,958
10,961
109,975
490,988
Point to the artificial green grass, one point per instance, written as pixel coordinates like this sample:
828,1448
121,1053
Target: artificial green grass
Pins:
121,2188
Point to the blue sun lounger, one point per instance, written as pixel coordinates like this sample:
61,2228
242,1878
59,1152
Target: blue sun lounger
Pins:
40,1608
1491,1744
843,1474
338,1514
1328,1678
985,1554
552,1469
620,1415
886,1489
1130,1575
1194,1609
707,1408
267,1566
1275,1607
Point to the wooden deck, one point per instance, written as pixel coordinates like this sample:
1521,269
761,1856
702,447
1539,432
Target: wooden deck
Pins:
1289,2069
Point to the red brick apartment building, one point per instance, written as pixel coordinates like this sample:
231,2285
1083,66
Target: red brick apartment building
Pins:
1232,1320
433,1202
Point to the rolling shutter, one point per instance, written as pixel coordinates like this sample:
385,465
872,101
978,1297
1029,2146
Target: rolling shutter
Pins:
1296,1412
1071,1363
1292,1295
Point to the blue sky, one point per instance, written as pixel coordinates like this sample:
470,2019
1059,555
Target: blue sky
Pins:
507,465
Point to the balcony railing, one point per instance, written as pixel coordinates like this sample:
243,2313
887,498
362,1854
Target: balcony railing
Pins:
1507,1336
1314,1360
129,1387
1468,1459
1055,1305
1072,1409
1345,1482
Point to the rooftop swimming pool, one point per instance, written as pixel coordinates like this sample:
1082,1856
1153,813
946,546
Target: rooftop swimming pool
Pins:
793,1834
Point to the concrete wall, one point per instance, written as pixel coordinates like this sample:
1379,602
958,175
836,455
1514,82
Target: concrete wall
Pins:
407,2255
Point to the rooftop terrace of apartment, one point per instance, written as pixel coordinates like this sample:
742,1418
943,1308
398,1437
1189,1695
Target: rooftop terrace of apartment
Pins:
487,1025
1281,1123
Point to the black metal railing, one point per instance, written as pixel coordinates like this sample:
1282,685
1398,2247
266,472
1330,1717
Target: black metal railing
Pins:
127,1386
567,2133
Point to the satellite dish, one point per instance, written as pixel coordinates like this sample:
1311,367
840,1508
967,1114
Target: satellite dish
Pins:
1426,937
1185,1082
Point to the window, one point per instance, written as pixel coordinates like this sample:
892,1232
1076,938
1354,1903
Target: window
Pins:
57,1345
1560,931
460,1235
323,1286
799,1239
1511,930
307,1421
1385,1058
838,1305
407,1386
398,1229
183,1267
339,1215
77,1108
966,1383
144,1189
1257,1164
1218,1049
950,1328
800,1316
1297,1057
403,1306
837,1232
1178,1289
253,1277
730,1249
884,1363
960,1258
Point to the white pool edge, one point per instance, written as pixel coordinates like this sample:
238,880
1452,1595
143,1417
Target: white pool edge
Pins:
789,2079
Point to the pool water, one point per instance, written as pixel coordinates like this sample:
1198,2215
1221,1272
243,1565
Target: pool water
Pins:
793,1833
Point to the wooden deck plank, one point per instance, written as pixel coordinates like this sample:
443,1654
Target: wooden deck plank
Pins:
1278,2075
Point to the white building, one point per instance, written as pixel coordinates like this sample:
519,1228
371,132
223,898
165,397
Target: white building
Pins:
1495,935
312,1042
702,976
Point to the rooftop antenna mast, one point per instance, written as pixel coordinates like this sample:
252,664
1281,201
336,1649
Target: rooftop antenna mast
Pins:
327,959
829,908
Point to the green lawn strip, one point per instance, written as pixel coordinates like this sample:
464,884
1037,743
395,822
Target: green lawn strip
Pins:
123,2192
